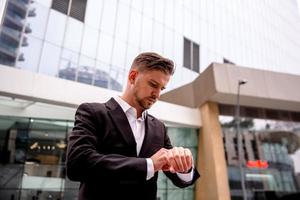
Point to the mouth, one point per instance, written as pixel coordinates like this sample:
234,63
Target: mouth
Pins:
152,100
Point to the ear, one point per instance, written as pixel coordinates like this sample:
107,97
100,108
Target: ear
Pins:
132,76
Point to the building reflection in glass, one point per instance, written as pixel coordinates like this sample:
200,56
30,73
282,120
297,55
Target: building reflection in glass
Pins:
91,76
274,141
32,159
12,29
36,38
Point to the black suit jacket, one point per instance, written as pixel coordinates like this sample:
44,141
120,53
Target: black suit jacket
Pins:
102,154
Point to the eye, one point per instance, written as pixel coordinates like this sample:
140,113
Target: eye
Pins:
154,85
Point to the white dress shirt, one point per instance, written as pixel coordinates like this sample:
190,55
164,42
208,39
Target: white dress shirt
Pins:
138,128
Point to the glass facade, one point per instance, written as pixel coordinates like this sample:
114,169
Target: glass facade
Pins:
275,141
96,44
32,160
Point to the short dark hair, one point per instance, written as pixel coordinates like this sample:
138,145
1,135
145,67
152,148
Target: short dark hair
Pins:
153,61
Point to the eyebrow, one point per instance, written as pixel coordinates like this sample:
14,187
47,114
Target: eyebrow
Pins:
162,88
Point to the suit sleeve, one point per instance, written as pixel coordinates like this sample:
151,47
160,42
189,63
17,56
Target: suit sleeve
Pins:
173,176
84,162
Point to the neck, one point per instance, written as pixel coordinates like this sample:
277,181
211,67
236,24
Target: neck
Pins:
130,100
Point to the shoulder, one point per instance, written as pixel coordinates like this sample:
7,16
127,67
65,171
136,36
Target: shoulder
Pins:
98,108
91,106
156,121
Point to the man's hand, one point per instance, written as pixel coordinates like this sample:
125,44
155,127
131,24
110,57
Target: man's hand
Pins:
178,159
160,160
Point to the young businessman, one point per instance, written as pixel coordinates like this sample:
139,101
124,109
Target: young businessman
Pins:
116,149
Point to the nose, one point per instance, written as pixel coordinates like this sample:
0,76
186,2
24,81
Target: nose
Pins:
156,93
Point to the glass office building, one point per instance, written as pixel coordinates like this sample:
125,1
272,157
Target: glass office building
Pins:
94,42
51,49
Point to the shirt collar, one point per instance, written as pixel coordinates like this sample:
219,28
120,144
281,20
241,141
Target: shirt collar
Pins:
129,109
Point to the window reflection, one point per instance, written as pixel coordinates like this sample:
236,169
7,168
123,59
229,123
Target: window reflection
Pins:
32,158
86,70
117,76
37,19
30,54
14,29
68,65
275,141
104,77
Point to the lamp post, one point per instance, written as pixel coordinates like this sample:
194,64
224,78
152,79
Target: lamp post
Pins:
239,135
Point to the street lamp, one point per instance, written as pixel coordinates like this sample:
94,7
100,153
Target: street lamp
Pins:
239,135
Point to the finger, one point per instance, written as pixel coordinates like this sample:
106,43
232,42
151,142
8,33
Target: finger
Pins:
179,166
172,163
166,167
189,158
159,159
183,159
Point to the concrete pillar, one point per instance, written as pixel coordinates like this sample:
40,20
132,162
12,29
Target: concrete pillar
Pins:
213,183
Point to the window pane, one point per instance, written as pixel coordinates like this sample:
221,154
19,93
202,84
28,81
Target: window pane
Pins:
109,16
135,27
157,42
56,28
116,78
68,65
46,3
93,13
37,18
13,143
49,59
30,54
89,43
86,70
168,43
122,22
60,5
105,48
119,53
196,57
101,75
78,9
147,30
187,53
73,35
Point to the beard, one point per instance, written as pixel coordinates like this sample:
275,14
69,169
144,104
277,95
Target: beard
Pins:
146,102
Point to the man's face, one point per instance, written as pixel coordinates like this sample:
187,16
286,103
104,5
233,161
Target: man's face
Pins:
147,87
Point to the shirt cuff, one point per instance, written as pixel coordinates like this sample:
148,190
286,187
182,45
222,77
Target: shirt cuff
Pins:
186,177
150,169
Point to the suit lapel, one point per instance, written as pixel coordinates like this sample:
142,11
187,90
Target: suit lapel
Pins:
120,121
